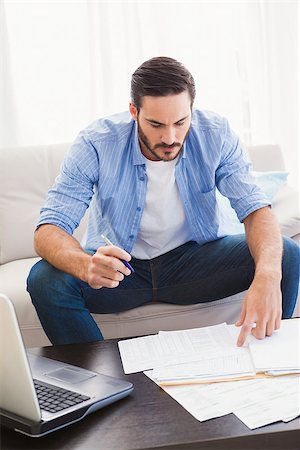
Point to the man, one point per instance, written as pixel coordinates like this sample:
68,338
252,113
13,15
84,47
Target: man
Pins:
150,178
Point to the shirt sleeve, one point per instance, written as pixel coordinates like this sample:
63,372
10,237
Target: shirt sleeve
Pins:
72,191
234,179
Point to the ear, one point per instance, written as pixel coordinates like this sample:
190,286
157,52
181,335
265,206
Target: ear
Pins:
133,111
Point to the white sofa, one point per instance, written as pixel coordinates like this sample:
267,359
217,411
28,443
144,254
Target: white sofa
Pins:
26,173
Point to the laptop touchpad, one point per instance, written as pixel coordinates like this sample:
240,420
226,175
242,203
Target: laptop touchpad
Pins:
70,375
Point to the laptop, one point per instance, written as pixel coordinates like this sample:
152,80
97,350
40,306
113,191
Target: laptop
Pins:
39,395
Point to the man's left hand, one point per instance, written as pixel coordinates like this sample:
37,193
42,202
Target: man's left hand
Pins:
261,310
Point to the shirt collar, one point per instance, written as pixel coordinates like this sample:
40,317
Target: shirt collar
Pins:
138,157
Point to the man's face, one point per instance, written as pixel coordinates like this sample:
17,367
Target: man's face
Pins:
163,124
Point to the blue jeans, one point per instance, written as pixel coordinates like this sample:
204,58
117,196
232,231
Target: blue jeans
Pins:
189,274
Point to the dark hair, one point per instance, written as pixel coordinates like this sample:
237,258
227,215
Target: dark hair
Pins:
159,77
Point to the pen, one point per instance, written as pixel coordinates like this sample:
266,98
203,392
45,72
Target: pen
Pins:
108,242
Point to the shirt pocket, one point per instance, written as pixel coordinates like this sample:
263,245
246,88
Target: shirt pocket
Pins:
207,214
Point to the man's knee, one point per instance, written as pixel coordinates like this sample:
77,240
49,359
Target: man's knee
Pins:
291,253
41,279
37,276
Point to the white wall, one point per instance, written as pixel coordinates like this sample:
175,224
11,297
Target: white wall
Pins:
64,63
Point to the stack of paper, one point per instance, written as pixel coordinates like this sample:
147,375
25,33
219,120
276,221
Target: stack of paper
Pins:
210,354
185,361
280,353
255,402
205,353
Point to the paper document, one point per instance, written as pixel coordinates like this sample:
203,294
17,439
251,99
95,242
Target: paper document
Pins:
279,353
271,408
172,347
206,339
254,402
140,353
230,363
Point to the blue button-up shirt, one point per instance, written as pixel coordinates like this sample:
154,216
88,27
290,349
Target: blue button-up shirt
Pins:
106,170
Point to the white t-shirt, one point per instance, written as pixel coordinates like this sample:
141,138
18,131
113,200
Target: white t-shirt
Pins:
163,224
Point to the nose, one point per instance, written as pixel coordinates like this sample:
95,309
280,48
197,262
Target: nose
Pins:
169,136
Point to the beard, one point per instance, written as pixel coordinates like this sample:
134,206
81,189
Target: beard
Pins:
145,141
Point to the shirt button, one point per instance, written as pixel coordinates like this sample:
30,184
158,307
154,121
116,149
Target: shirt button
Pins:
131,236
142,178
138,208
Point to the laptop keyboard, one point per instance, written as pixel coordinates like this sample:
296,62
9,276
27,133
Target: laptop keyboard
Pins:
54,398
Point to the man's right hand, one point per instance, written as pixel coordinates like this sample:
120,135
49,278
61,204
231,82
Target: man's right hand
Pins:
63,251
106,269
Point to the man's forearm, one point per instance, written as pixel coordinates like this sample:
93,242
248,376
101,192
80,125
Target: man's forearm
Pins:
61,250
265,243
262,304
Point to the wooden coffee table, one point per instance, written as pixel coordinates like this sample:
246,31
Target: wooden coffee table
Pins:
147,419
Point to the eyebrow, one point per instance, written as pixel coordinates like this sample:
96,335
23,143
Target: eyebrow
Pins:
159,123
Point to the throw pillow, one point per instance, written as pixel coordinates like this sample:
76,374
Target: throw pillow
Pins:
269,182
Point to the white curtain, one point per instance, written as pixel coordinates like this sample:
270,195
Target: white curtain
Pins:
65,63
9,129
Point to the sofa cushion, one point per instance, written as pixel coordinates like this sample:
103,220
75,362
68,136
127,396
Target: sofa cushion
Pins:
26,174
265,157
